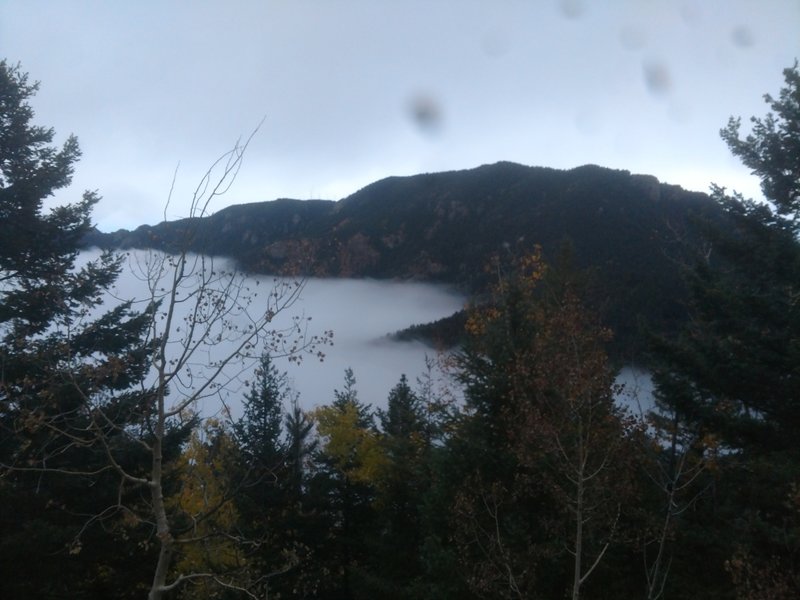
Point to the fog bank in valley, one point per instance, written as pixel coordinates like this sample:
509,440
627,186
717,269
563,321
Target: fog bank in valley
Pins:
361,313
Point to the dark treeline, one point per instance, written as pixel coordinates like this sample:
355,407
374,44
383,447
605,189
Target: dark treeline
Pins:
535,483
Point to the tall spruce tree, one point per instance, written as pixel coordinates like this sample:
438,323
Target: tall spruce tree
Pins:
264,492
349,462
300,447
305,520
259,431
112,396
734,375
395,562
54,356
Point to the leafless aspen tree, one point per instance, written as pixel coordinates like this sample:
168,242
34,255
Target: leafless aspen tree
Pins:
207,328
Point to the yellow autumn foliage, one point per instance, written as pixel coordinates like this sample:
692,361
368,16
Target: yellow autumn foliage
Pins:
525,271
356,451
202,503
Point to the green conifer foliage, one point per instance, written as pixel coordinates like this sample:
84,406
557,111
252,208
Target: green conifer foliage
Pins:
59,361
772,148
259,430
733,375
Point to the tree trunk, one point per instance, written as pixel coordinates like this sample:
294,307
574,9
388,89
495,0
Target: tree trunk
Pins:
160,513
576,577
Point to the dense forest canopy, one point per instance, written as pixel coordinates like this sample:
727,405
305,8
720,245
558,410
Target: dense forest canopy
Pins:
536,485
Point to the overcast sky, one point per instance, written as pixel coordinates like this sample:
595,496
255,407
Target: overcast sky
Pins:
352,91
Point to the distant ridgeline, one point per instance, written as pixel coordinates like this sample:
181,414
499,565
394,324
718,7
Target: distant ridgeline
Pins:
631,231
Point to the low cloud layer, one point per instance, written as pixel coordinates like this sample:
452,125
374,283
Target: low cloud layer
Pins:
360,313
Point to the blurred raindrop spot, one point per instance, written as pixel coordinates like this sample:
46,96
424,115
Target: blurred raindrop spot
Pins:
742,36
572,9
657,78
426,113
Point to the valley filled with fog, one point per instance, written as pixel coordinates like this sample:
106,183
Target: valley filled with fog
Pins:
361,313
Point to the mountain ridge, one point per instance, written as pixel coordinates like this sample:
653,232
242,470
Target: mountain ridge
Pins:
449,194
630,229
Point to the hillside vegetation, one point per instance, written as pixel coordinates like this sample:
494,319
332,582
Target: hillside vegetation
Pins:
629,231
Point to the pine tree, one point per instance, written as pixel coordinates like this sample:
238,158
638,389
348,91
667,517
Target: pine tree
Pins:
349,463
733,376
266,493
259,431
394,564
300,448
347,397
772,148
305,521
108,400
57,361
402,417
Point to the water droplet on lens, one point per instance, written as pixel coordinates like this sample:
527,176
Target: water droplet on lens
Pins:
742,37
426,113
657,78
572,9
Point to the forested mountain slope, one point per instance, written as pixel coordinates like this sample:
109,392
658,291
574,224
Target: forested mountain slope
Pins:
630,230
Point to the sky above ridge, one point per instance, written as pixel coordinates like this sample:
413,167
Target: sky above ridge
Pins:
352,91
